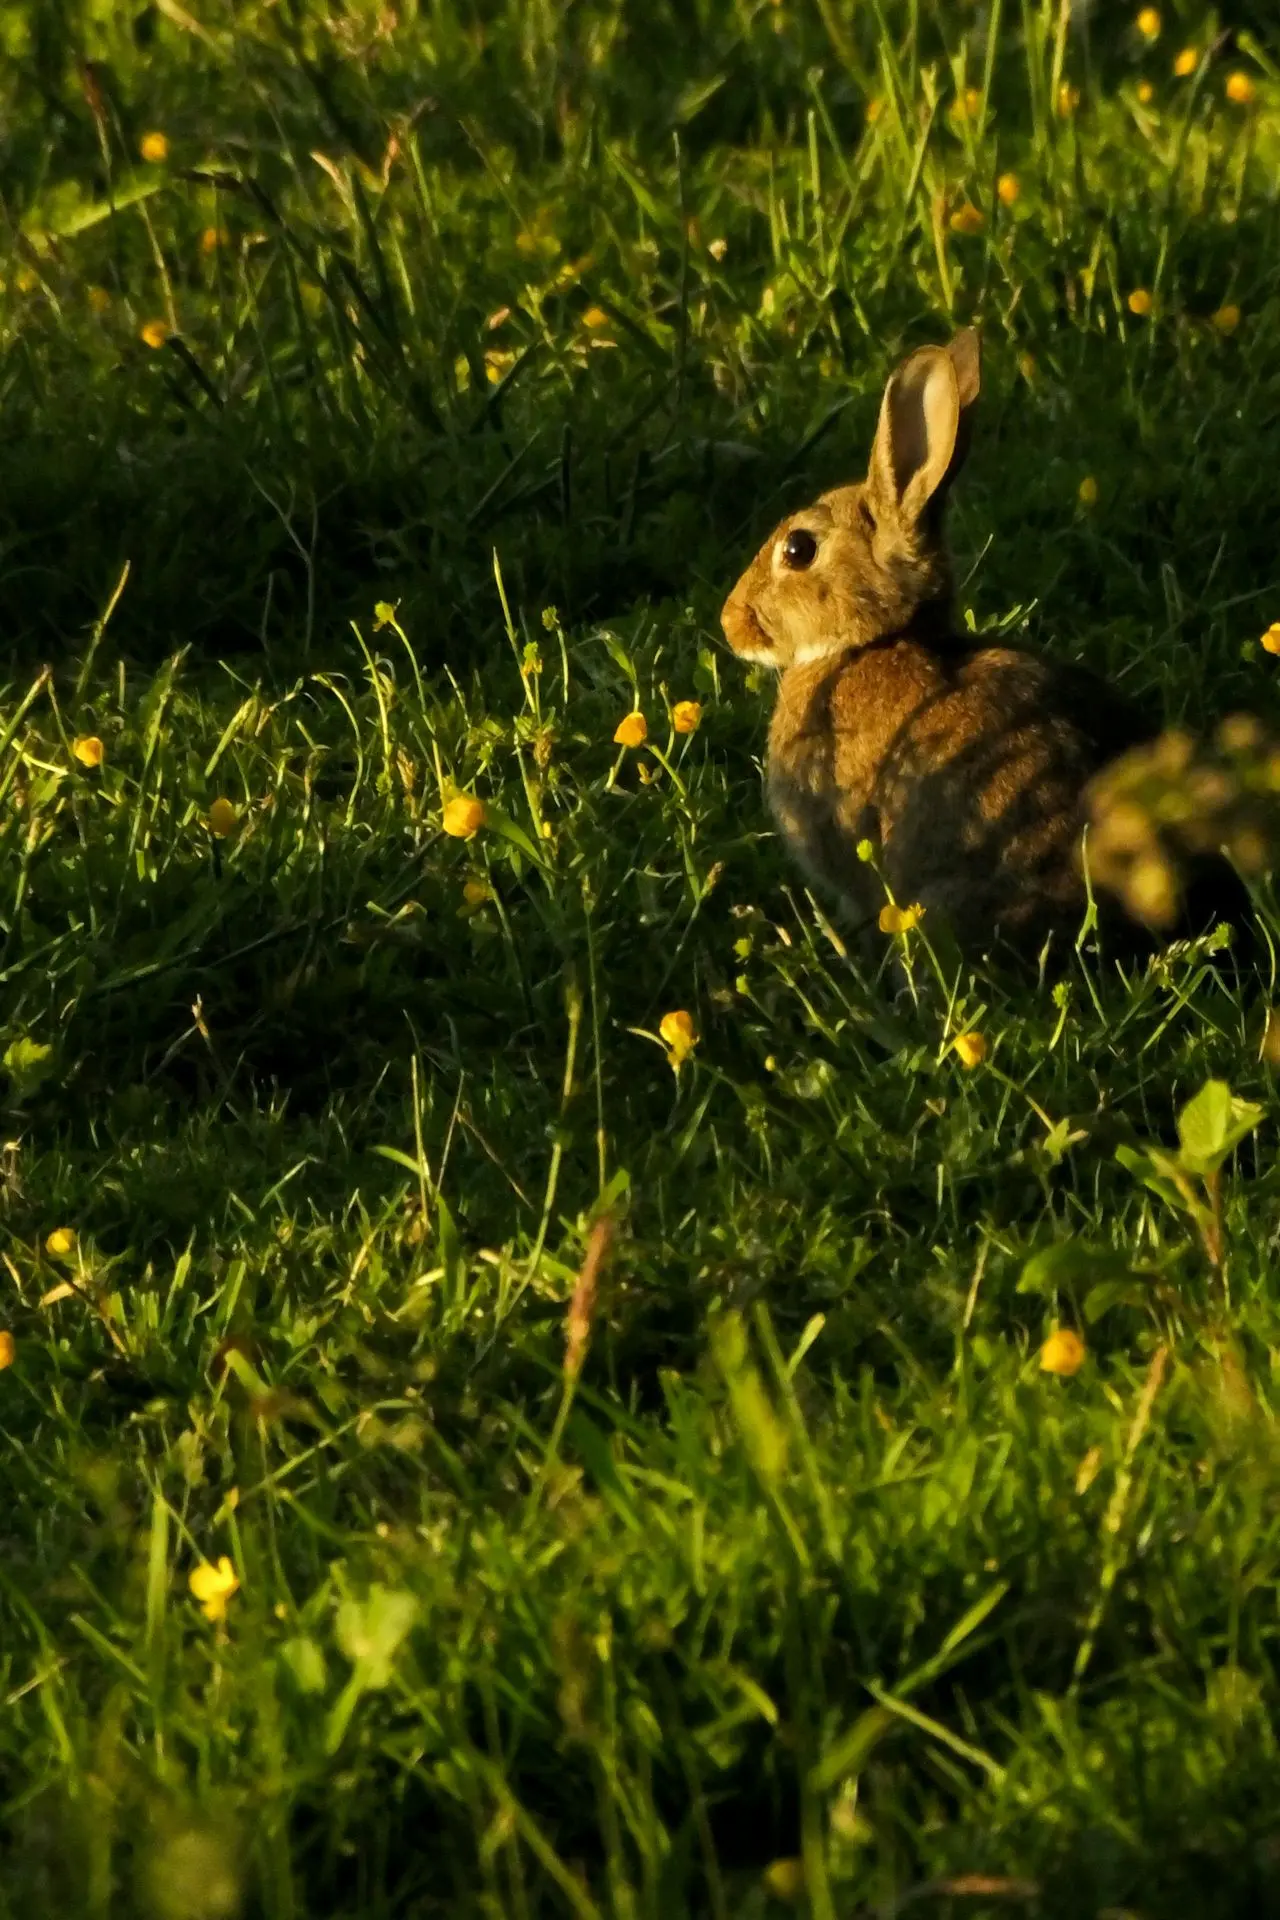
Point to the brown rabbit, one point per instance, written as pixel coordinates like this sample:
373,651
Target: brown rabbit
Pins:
966,765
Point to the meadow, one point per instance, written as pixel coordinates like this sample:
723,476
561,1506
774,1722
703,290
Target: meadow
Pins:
536,1379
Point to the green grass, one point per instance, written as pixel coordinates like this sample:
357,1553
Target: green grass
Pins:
811,1563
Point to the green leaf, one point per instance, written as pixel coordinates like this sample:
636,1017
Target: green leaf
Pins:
28,1064
1151,1169
1070,1264
1212,1125
1111,1293
369,1632
305,1663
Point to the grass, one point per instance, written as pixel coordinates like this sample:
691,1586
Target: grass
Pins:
491,339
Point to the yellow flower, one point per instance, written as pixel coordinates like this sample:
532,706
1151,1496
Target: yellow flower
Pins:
154,148
686,716
223,819
212,238
1187,62
1140,302
785,1879
874,109
1271,638
61,1243
1226,319
680,1034
1146,93
88,750
1027,365
967,219
595,317
99,299
1063,1352
1240,88
155,333
496,363
965,105
463,816
1008,187
970,1049
1149,23
7,1350
631,731
1068,99
476,892
900,919
1087,491
717,249
213,1586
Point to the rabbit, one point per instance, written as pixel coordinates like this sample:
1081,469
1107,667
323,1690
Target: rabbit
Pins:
966,766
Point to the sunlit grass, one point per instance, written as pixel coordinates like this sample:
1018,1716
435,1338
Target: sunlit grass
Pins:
536,1377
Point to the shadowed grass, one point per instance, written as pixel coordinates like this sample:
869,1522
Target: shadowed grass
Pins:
488,342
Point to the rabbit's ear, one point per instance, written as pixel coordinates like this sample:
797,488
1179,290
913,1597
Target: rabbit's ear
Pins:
919,442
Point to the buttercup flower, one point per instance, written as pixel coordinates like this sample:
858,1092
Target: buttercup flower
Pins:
968,219
1087,491
680,1034
61,1243
970,1049
476,892
1146,93
7,1350
595,317
1240,88
463,816
631,731
155,333
686,716
785,1879
1068,99
213,1586
1063,1352
211,239
154,148
900,919
717,249
222,819
1271,638
1187,62
1148,23
88,750
1008,188
1226,319
1140,302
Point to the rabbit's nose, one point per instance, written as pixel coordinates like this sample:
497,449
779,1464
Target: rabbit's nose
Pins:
743,631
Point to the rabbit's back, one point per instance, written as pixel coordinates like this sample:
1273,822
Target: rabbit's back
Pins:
965,766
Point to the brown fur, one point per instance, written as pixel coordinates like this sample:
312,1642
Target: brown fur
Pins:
965,765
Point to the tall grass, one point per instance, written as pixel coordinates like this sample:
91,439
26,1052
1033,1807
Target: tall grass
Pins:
382,440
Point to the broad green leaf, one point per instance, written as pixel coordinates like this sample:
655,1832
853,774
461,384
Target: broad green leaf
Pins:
369,1631
28,1064
1072,1263
1212,1125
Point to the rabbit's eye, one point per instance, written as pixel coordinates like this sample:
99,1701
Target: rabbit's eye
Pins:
799,549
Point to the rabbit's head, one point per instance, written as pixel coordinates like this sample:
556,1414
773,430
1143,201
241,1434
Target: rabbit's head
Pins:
868,561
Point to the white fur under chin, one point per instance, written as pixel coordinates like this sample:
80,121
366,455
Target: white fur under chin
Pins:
758,656
815,650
